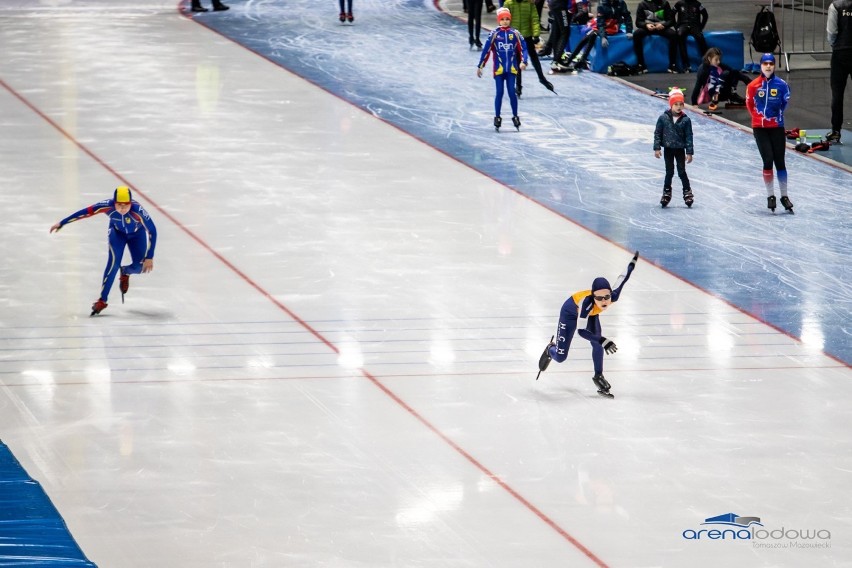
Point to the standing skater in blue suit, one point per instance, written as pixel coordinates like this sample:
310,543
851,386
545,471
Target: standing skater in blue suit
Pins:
587,304
130,226
506,43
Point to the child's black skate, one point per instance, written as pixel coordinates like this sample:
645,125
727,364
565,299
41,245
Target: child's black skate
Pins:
545,358
603,386
517,122
350,17
788,205
688,198
498,122
549,86
123,284
519,89
770,203
667,196
98,307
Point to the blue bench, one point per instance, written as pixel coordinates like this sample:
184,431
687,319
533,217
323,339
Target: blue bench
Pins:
657,50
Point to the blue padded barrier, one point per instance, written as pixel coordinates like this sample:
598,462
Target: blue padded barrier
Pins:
657,50
31,531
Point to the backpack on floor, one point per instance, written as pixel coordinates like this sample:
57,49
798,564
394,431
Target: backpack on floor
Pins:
620,69
764,34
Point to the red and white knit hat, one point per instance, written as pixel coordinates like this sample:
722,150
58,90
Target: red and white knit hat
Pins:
503,13
675,96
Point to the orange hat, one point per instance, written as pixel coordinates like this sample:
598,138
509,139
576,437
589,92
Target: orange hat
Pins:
504,13
675,96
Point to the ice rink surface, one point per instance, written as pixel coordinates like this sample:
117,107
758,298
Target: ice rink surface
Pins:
333,361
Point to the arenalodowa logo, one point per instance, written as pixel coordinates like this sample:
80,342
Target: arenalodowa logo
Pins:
731,526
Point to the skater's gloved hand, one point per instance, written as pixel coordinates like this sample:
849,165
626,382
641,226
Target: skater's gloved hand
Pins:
55,228
604,42
608,345
632,264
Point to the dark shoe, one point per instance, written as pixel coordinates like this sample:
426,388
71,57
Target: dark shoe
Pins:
342,16
667,196
491,8
498,122
545,358
770,202
479,44
350,17
688,198
673,69
543,53
788,205
516,122
833,137
603,386
98,307
736,100
219,7
196,7
641,69
548,85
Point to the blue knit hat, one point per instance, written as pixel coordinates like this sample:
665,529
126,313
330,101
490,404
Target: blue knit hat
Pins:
601,283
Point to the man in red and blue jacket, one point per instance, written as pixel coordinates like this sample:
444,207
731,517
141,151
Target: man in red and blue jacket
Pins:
766,98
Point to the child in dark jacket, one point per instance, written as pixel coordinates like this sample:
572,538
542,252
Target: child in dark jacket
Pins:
673,139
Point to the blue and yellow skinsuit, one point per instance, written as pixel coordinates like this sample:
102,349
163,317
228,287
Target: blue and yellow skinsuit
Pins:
508,47
136,231
582,305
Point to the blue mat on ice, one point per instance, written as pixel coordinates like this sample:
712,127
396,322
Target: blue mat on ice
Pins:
31,531
587,155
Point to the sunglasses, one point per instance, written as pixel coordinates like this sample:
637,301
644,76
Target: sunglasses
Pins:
602,298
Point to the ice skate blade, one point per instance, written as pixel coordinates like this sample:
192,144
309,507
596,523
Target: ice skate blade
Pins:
606,394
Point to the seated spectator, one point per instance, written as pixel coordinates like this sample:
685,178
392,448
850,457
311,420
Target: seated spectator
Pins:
655,17
690,19
717,82
613,17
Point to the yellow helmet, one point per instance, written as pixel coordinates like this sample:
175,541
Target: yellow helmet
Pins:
122,194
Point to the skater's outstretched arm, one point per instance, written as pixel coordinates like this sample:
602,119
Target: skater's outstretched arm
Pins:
100,207
624,277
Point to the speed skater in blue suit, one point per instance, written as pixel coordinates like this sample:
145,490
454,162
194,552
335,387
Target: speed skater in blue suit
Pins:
508,46
588,305
129,226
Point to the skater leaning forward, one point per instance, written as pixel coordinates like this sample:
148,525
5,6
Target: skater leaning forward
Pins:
673,140
766,98
508,46
130,226
588,305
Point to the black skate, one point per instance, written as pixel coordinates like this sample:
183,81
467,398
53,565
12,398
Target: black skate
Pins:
603,386
688,198
98,307
770,202
667,196
549,86
349,17
498,122
517,123
123,284
545,358
518,90
788,205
